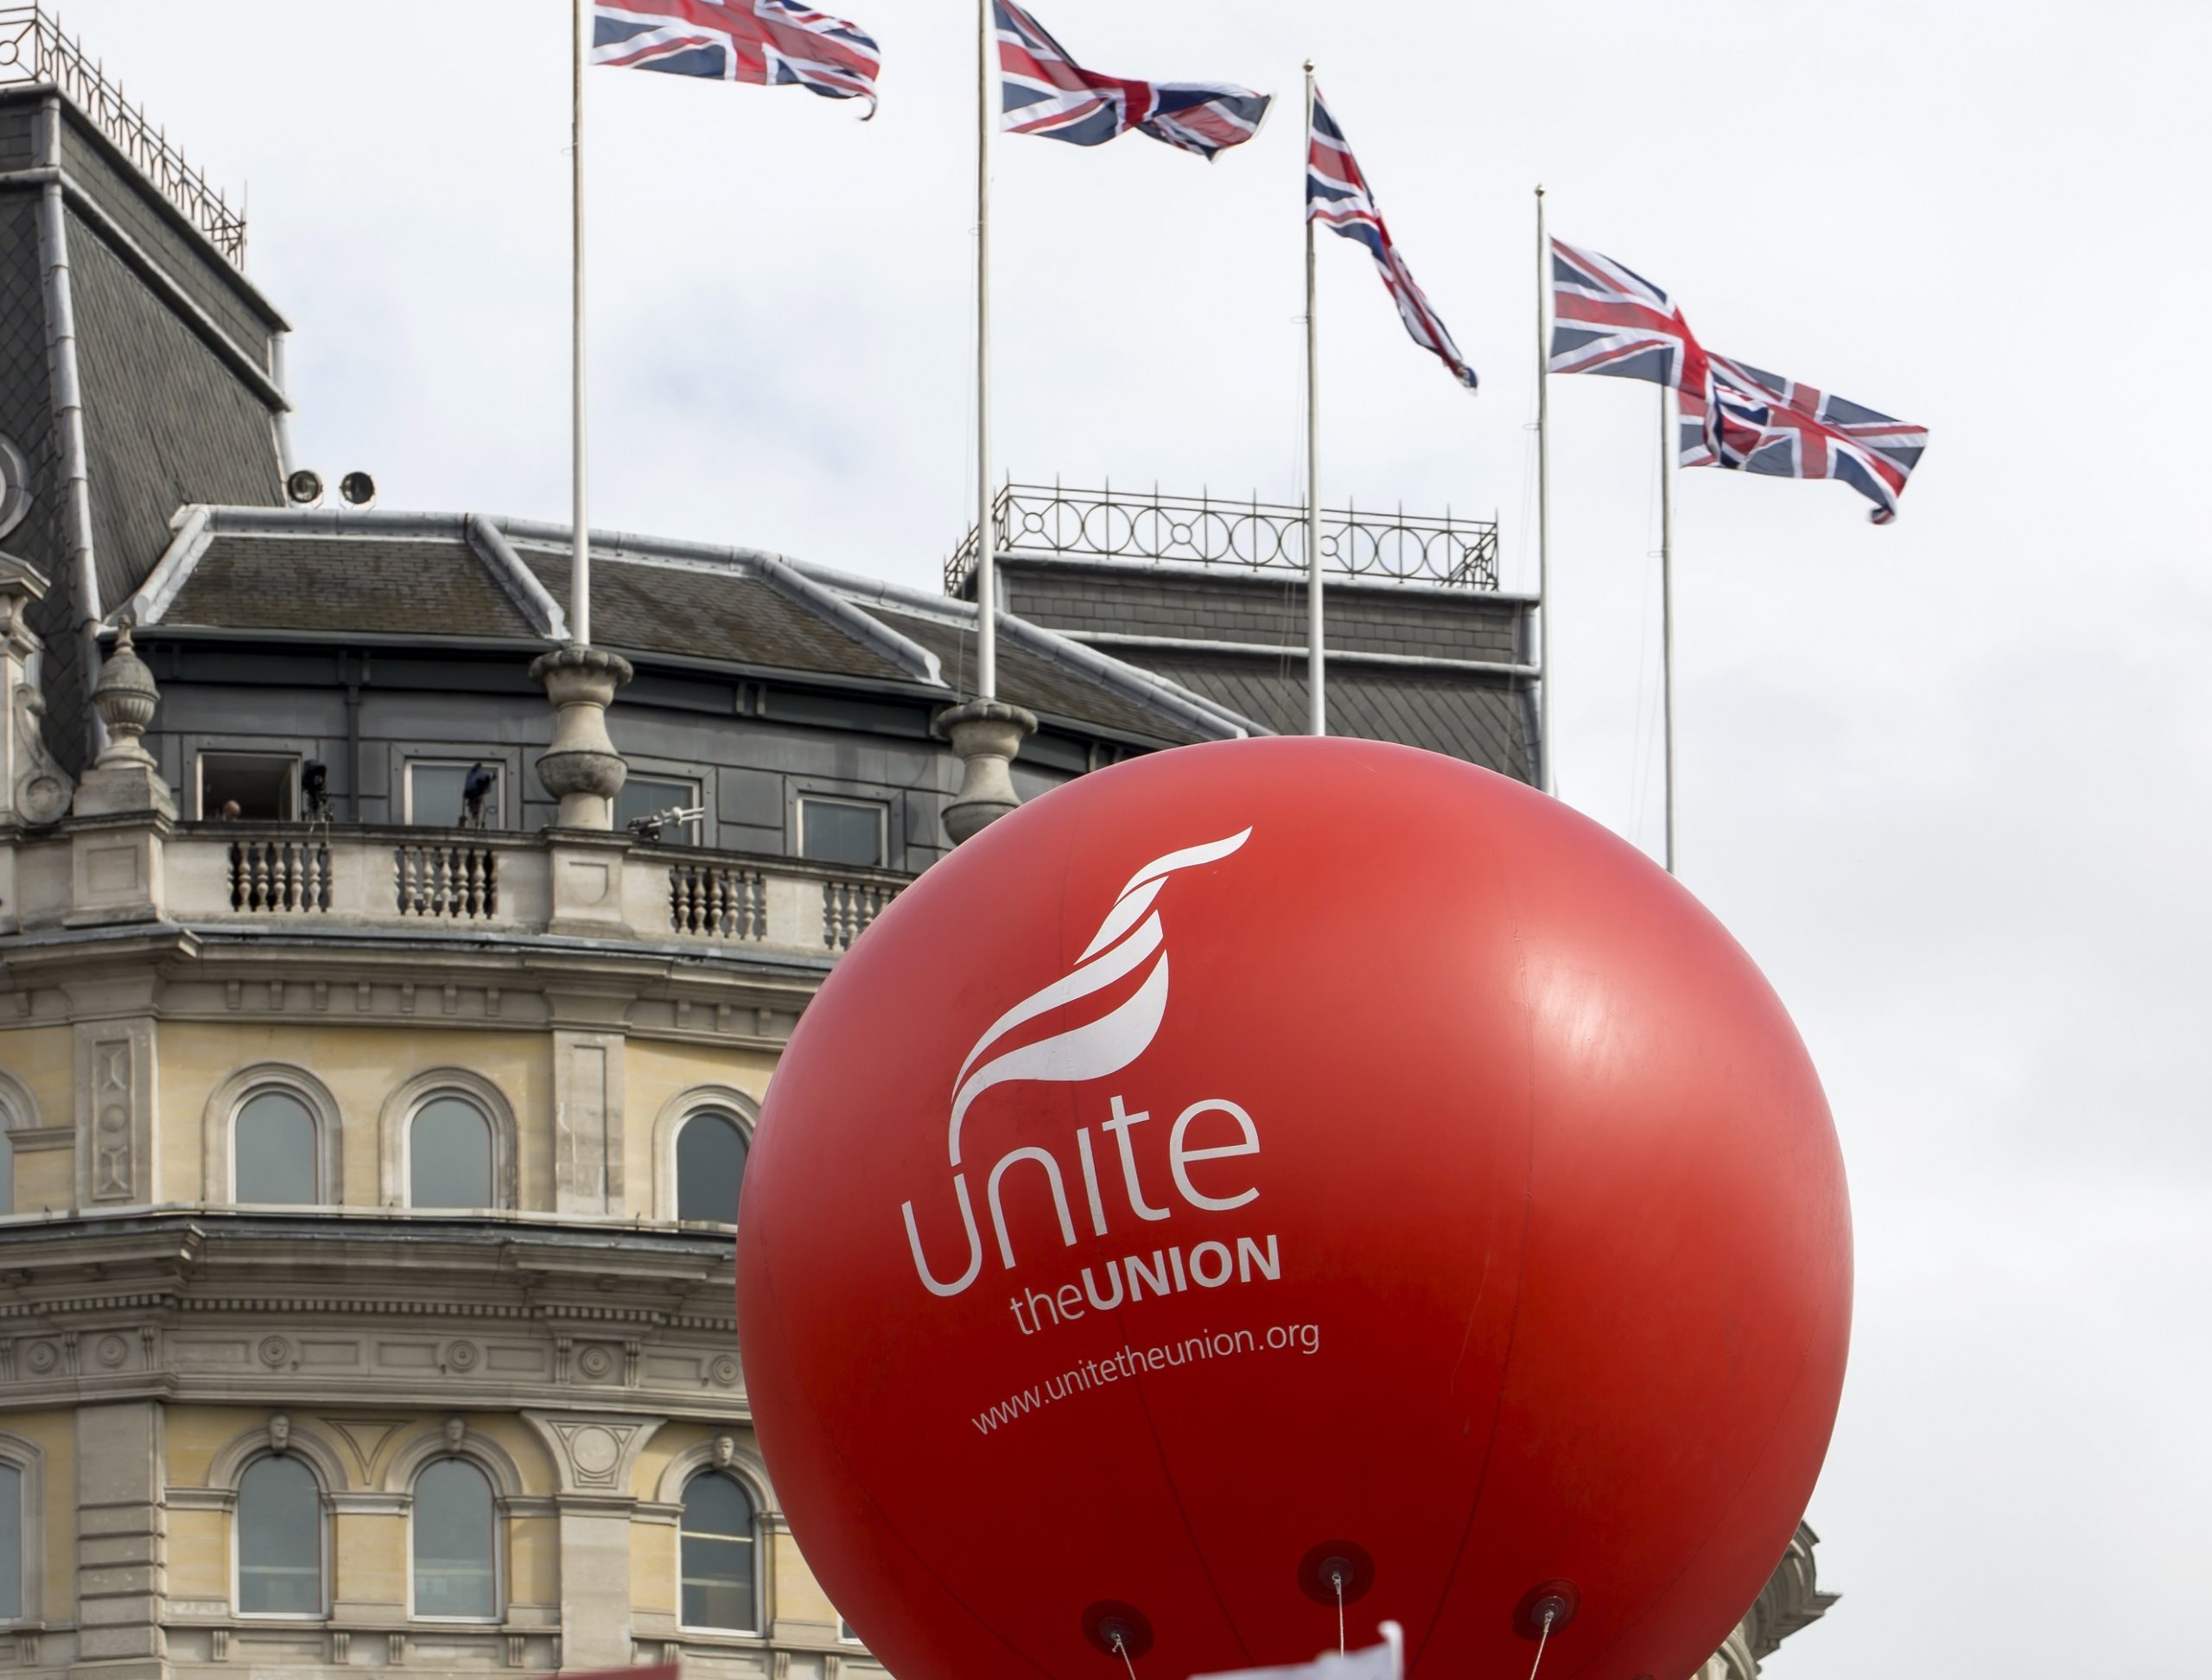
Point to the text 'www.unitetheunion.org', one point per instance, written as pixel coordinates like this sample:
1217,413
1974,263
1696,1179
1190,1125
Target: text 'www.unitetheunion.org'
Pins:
1128,1363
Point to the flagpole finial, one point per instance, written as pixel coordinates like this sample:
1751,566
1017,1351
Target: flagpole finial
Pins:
1540,189
1309,66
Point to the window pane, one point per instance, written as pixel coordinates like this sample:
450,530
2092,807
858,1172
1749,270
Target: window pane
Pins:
709,1168
275,1145
450,1155
436,795
717,1537
838,832
11,1542
453,1541
641,796
280,1540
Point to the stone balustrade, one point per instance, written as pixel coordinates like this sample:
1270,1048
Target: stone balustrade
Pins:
432,880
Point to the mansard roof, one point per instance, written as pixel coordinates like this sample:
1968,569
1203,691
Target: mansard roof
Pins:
381,577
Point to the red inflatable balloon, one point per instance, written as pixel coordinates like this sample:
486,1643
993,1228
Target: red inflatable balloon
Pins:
1275,1164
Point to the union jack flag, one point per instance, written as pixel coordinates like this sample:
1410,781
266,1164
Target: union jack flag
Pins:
1608,319
1337,197
1046,92
770,42
1762,422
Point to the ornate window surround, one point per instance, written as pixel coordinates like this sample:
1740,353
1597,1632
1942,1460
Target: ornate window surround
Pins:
218,1129
28,1460
728,1099
725,1454
322,1613
398,1118
454,1440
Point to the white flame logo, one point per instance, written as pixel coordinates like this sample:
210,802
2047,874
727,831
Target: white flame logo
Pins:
1130,937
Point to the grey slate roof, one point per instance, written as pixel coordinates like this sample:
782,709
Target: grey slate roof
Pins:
390,586
269,573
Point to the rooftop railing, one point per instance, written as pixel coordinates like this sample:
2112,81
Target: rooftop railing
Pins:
1051,521
33,49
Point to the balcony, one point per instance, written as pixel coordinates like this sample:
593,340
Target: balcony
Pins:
297,877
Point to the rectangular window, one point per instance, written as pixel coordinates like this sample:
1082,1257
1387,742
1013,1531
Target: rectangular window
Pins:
656,796
843,832
438,791
249,788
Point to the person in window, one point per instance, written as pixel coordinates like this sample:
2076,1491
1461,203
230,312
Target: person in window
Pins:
475,790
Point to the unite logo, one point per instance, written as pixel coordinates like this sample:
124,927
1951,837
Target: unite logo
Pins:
1129,939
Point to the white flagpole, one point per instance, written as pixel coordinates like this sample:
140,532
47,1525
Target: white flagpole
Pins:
580,552
1543,504
1317,700
1667,447
987,629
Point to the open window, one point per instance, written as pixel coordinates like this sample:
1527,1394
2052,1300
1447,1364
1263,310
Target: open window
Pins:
250,787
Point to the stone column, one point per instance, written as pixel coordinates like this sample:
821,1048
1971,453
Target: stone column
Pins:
122,1540
986,734
581,768
597,1453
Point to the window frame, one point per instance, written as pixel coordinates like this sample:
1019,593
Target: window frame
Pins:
293,756
395,1126
734,1115
758,1505
491,1150
497,823
317,1176
28,1460
219,1129
668,1128
880,807
324,1534
499,1556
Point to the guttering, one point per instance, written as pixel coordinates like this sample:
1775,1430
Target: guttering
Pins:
69,412
280,417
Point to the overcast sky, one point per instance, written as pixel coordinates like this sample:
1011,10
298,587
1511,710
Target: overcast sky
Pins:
1945,780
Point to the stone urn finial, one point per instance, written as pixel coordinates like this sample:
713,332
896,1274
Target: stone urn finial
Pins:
125,697
581,768
986,734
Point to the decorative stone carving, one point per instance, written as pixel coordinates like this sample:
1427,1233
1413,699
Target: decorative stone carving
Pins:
725,1451
581,768
42,788
124,778
457,1430
32,785
986,734
280,1432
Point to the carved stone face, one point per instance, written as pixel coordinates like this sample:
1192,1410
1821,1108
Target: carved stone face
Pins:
725,1451
280,1431
455,1429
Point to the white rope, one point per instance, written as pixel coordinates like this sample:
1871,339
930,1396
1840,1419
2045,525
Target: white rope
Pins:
1337,1576
1123,1651
1541,1639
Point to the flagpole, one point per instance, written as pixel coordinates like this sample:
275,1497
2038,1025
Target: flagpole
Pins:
580,545
1317,700
1667,447
1543,505
987,629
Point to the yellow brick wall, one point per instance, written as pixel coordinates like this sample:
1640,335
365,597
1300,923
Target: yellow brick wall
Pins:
54,1435
44,1059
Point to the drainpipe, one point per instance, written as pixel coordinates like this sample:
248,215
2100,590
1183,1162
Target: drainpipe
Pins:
282,418
69,419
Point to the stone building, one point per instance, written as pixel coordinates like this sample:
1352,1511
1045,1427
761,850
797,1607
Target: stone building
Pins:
380,1040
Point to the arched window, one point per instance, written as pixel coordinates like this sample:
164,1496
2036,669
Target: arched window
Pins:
719,1587
456,1542
449,1154
11,1543
709,1166
273,1142
280,1540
